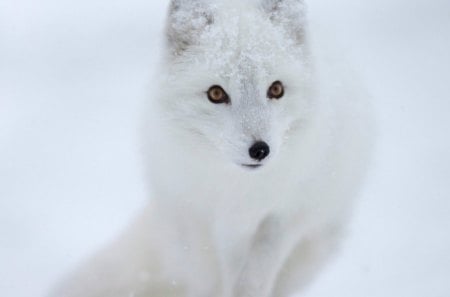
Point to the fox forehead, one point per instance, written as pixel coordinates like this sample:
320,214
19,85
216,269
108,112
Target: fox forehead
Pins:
242,44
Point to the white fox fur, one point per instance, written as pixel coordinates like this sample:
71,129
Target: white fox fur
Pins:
215,228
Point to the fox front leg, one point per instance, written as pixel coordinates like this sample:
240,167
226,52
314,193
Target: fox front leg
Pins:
265,257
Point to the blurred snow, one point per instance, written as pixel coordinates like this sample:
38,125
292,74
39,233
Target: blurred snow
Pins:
74,74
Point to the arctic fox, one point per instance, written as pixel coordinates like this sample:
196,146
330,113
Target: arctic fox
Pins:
256,147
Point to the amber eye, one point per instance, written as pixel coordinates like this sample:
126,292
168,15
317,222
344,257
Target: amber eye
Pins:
217,95
276,90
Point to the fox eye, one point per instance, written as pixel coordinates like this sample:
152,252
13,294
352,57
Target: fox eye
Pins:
217,95
276,90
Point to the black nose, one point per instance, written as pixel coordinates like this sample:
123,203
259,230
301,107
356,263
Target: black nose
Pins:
259,151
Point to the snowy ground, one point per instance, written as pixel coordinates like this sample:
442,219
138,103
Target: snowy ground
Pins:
73,75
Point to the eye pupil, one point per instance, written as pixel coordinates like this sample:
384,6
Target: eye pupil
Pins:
217,94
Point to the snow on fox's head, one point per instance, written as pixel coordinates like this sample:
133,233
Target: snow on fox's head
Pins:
237,77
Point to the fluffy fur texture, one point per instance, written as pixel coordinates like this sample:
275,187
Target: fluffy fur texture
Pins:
215,228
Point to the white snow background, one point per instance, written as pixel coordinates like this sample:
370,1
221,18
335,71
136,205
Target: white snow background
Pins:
74,74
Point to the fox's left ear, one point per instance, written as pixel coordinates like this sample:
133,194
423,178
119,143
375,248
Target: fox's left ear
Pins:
187,20
290,14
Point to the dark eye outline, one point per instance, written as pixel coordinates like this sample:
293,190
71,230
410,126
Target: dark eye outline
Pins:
223,99
271,95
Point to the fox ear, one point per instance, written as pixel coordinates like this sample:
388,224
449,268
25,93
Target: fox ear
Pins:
289,14
186,21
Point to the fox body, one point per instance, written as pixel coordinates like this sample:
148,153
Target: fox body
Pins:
256,147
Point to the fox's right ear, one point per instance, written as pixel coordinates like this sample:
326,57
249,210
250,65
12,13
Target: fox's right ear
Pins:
186,21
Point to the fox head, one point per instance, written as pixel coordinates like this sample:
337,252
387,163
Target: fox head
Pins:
238,76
